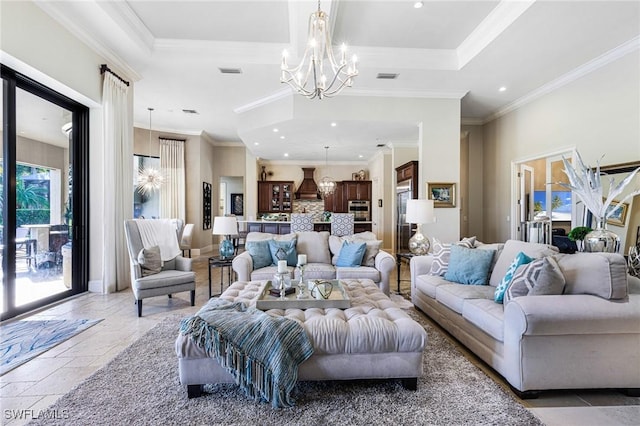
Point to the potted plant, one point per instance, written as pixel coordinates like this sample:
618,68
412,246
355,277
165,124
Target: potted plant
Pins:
577,234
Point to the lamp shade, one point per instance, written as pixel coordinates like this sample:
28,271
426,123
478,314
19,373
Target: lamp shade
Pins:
420,211
225,225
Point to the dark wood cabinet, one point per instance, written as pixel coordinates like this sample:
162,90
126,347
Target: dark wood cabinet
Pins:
335,202
409,171
361,227
275,197
356,190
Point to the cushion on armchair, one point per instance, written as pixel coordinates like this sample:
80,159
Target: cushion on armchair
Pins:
150,260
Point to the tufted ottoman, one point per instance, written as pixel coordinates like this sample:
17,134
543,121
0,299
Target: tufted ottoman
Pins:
373,339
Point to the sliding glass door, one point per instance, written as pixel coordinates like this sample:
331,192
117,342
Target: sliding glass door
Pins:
45,138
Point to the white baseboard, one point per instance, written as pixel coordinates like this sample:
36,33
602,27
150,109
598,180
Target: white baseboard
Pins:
95,286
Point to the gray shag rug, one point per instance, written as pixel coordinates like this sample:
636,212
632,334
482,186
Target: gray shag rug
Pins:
141,386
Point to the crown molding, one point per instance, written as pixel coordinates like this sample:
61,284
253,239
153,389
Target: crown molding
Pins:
70,15
498,20
468,121
424,94
280,94
577,73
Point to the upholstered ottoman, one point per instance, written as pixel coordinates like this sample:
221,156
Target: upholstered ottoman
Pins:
373,339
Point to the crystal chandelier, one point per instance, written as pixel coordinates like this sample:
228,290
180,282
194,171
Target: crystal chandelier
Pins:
319,74
150,179
327,185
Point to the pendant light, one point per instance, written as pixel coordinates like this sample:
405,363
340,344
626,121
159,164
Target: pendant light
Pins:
327,185
150,179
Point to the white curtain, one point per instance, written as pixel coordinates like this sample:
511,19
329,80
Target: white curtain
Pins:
118,182
172,193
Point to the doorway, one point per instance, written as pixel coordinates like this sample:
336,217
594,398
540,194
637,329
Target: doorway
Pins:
43,206
540,198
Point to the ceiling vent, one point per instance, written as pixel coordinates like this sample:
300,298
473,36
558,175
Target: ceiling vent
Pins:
387,76
190,111
230,70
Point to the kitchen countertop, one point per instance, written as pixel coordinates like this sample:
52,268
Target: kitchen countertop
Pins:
288,221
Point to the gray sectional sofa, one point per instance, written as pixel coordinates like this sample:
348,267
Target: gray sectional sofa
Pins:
588,337
322,251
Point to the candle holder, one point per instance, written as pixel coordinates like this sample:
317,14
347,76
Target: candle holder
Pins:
282,282
301,285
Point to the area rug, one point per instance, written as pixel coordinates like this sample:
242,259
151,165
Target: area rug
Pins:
141,386
24,340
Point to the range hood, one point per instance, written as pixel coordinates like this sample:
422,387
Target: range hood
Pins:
308,190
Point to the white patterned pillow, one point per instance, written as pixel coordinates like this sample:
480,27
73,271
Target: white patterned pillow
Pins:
541,276
442,253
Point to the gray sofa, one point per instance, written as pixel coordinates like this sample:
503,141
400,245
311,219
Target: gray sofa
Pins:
588,337
322,251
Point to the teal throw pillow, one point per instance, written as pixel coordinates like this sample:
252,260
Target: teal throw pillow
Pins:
469,266
260,253
284,250
351,253
501,289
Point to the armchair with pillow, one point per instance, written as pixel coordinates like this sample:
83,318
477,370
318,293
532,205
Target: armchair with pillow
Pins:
542,319
157,267
328,257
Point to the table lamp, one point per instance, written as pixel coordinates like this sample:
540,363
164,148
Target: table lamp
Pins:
419,212
228,226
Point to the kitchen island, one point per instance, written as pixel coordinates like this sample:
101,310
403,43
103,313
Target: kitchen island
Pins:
284,227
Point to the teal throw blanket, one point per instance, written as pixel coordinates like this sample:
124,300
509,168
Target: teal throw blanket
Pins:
262,352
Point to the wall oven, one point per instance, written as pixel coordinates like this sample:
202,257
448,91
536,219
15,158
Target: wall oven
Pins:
361,210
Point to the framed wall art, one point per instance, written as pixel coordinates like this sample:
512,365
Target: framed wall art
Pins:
442,194
206,205
619,217
237,202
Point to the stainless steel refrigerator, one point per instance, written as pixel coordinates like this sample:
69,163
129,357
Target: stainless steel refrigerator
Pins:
403,229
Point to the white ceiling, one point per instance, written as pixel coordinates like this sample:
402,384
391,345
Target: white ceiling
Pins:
462,49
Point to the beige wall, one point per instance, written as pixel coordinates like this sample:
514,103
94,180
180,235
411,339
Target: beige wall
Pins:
32,43
475,181
598,114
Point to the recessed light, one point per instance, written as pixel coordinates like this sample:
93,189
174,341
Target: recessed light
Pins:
275,130
281,137
334,124
418,5
286,154
360,156
502,89
256,143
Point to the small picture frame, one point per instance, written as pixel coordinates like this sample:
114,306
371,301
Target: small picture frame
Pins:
359,175
442,194
619,217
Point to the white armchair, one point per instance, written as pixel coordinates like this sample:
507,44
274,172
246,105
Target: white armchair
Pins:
174,277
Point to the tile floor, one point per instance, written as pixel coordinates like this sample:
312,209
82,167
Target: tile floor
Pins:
38,383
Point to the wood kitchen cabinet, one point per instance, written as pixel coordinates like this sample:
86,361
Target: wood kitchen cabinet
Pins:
336,202
409,172
275,196
356,190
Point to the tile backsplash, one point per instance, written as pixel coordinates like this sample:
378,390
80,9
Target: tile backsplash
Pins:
309,206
